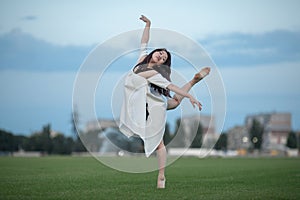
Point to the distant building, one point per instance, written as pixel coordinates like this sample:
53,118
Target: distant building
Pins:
276,129
188,130
238,138
100,125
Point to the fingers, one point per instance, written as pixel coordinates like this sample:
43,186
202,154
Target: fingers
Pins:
195,102
199,105
144,18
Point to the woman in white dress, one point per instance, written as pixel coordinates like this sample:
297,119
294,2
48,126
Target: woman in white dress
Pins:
147,97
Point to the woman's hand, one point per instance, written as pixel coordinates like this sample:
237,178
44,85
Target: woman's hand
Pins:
145,19
195,101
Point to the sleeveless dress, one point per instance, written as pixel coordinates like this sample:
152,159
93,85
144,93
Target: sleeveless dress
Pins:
133,120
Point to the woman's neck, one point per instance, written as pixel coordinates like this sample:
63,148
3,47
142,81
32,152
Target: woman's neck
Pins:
150,65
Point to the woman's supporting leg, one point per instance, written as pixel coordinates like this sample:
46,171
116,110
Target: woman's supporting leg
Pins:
175,101
162,157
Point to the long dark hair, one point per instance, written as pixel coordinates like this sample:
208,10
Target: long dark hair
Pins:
164,70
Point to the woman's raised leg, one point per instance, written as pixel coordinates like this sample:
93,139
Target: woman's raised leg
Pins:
175,101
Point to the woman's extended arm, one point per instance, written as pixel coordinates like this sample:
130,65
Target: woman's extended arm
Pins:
181,92
146,32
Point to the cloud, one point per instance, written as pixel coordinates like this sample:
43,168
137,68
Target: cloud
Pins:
241,49
21,51
29,18
265,80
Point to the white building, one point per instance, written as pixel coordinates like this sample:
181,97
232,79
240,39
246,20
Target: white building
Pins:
276,129
238,138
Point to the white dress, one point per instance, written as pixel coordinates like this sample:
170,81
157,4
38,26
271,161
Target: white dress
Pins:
133,113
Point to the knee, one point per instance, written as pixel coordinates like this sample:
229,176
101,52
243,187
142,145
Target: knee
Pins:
176,103
177,100
173,103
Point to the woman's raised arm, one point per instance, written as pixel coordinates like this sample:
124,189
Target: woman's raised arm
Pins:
146,32
145,38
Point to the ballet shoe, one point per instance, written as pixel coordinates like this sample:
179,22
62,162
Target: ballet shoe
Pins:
161,183
200,75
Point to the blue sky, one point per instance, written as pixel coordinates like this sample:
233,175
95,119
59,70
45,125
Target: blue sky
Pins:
255,45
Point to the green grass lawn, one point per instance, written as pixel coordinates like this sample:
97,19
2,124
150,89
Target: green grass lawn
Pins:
187,178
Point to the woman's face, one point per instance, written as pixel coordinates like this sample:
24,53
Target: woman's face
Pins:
159,57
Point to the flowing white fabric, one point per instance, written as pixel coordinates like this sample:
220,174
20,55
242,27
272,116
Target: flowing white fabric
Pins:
133,113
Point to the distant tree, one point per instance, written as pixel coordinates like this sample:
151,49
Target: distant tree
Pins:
35,143
78,145
58,144
256,134
292,140
62,144
178,135
40,141
177,127
298,141
221,144
197,141
75,122
46,137
167,135
6,141
19,142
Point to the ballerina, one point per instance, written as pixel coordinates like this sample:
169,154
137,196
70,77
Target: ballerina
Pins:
147,97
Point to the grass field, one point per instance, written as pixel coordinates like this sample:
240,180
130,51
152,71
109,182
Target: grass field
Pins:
187,178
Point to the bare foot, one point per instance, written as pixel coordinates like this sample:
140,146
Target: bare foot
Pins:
200,75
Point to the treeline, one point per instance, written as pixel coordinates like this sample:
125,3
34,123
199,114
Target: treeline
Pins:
42,141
